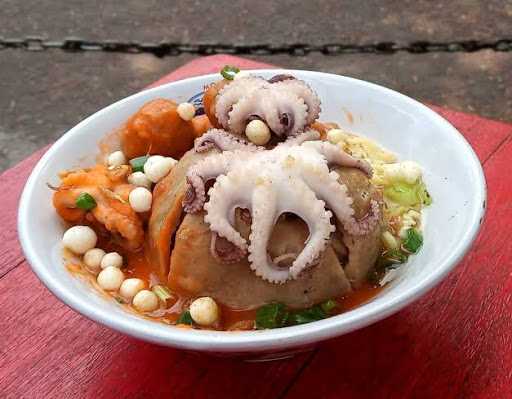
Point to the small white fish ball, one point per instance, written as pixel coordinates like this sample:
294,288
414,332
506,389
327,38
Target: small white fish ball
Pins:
117,158
139,179
145,301
257,132
131,287
157,167
93,257
112,259
204,311
140,199
79,239
110,279
186,111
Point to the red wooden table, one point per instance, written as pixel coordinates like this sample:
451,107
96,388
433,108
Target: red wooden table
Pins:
454,342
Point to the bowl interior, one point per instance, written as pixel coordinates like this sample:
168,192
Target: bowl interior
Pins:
451,170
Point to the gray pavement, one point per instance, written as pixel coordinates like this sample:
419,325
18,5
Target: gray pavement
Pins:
263,21
42,94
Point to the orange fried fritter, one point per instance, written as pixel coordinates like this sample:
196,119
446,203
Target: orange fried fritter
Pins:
157,129
112,213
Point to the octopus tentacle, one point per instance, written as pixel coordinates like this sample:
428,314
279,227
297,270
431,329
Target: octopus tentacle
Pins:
285,113
308,135
232,93
280,77
225,197
365,224
223,141
335,155
304,92
251,106
224,251
327,188
303,203
264,215
197,176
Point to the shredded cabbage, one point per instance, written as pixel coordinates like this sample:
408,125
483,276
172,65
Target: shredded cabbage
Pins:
408,195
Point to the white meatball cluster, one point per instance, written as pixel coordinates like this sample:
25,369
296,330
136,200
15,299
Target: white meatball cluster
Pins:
81,240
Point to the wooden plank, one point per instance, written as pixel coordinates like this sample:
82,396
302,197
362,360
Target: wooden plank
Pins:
481,133
12,182
456,342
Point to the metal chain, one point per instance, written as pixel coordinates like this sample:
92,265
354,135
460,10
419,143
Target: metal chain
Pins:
34,43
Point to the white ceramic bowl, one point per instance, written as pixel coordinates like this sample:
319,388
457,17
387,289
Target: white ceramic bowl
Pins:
452,172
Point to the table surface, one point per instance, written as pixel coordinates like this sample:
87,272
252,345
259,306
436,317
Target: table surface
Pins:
456,341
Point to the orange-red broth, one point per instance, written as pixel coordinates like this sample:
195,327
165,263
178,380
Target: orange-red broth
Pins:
137,266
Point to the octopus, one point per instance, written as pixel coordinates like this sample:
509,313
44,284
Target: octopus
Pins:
286,104
293,178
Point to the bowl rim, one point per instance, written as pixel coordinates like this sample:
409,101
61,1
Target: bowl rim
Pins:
251,341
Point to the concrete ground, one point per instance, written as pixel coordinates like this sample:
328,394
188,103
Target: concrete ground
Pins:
44,93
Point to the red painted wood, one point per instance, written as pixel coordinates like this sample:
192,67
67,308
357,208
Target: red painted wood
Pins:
455,342
11,185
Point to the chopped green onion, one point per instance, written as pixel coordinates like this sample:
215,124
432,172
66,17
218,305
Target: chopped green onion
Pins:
138,163
328,305
391,257
85,201
162,292
314,313
272,315
185,318
229,72
413,241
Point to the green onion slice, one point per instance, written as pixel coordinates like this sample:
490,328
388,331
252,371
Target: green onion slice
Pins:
314,313
185,318
328,305
229,72
85,201
138,163
391,258
162,292
272,315
413,241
